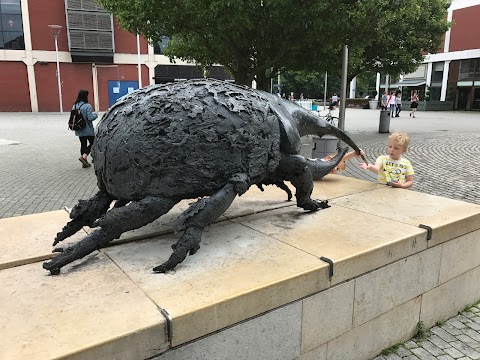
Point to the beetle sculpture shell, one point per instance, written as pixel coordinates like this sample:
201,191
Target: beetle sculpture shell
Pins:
185,140
205,139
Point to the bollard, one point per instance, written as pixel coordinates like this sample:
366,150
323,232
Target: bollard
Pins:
384,125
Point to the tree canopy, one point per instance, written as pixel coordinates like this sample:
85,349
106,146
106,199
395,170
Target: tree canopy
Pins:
257,39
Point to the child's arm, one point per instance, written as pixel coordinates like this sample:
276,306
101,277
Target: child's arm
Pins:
407,184
373,168
352,154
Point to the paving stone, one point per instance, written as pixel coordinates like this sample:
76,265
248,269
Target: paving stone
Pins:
392,356
465,349
403,352
444,357
411,344
469,314
444,335
462,318
451,329
476,319
431,348
439,342
454,353
468,340
456,323
423,354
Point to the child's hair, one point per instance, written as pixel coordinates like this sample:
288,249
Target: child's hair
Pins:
400,138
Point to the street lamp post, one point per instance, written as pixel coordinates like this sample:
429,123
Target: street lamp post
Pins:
139,63
55,31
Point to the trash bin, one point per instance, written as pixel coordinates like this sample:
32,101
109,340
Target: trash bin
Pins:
326,145
384,126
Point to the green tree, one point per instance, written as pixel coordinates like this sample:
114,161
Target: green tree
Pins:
310,83
257,39
392,38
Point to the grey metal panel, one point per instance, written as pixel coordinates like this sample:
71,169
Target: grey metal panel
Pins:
90,40
82,5
89,21
89,26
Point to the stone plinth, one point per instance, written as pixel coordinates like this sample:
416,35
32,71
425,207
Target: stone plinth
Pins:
260,287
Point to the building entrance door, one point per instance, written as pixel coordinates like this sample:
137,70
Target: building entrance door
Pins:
117,89
476,99
463,100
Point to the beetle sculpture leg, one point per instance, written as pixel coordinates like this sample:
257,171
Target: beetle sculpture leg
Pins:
294,169
201,214
112,225
279,184
84,214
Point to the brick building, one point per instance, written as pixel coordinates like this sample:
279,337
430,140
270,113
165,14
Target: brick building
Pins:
94,53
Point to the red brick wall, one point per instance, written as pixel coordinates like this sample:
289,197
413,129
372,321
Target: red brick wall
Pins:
464,34
126,43
14,88
74,77
42,15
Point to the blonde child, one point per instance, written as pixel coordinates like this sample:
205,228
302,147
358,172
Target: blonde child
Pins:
393,169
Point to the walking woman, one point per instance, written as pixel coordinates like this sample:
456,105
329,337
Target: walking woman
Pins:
86,134
414,104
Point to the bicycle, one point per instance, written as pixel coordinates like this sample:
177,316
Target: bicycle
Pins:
333,120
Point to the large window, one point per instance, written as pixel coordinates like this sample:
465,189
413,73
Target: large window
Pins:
160,45
477,69
437,72
11,27
467,70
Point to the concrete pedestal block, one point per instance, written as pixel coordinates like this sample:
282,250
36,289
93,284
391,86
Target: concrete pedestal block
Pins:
326,145
258,288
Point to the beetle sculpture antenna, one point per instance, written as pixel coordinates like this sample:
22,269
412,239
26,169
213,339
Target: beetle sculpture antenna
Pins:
201,139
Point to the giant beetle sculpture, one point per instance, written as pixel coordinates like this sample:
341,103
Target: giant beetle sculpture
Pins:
204,139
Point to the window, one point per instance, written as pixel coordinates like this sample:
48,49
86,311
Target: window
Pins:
160,45
437,72
11,27
477,70
467,68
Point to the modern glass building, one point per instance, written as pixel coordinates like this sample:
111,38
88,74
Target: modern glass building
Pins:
454,72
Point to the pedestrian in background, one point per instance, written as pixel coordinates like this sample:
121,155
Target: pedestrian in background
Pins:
87,134
334,99
393,169
414,104
398,104
391,102
384,101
